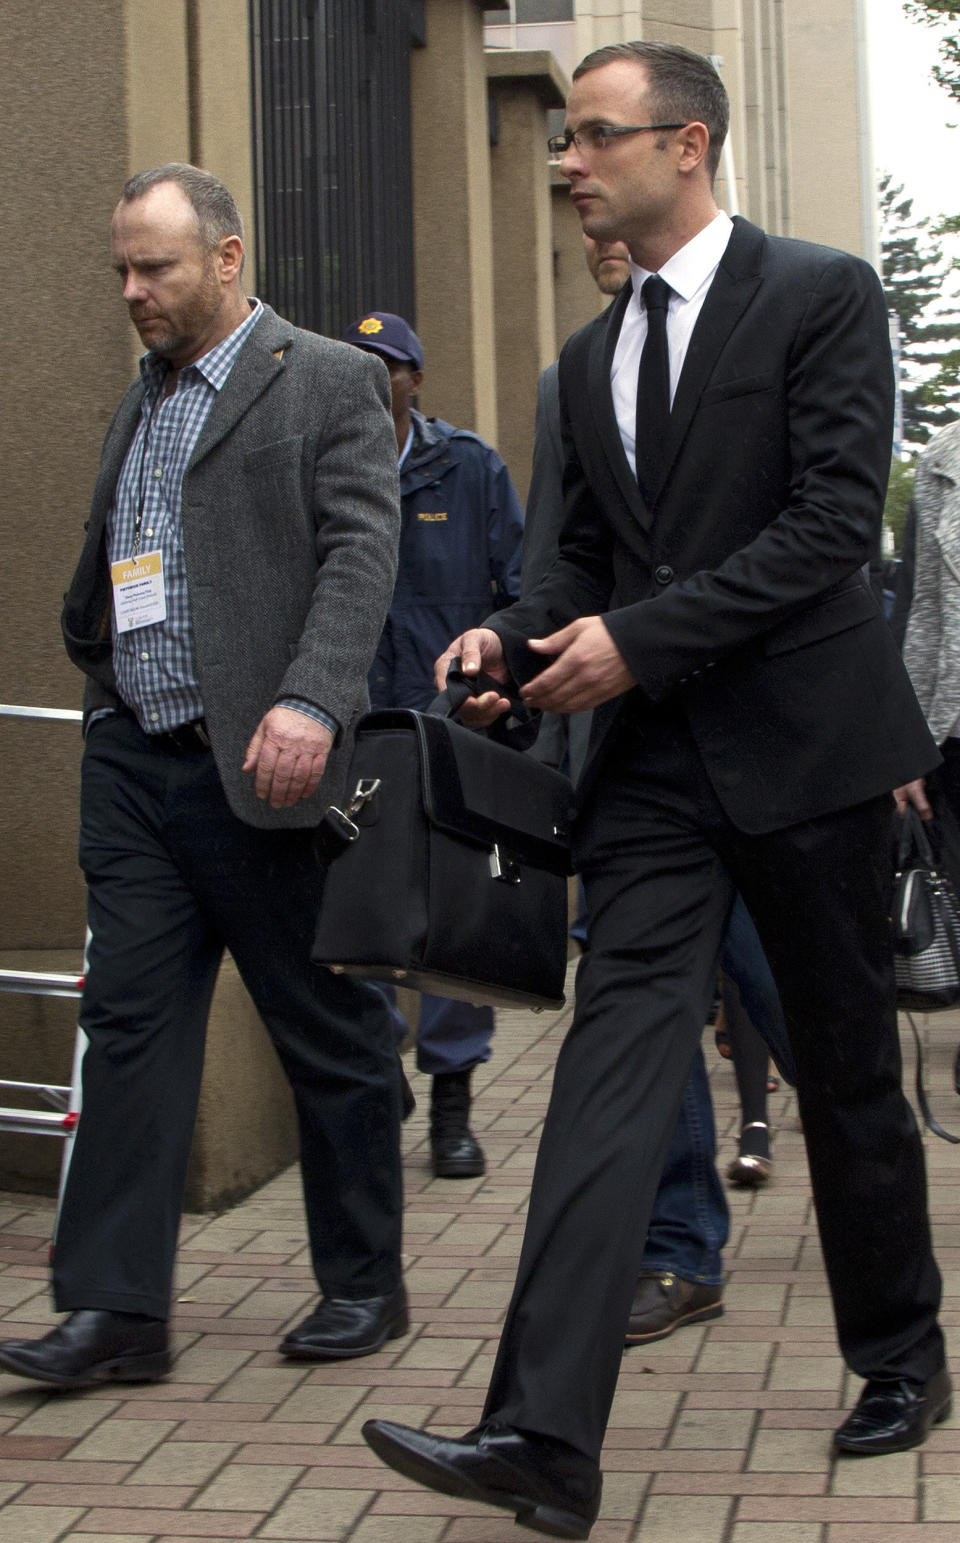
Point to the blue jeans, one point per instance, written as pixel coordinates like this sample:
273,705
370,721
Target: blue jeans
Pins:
451,1036
743,959
690,1221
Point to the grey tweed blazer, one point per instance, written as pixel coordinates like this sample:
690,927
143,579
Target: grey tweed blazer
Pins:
931,648
291,518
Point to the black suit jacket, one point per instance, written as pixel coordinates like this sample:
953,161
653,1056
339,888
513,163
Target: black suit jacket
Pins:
739,593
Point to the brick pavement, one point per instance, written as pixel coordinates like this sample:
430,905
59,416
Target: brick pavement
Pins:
719,1434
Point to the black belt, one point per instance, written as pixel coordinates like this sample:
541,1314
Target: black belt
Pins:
186,737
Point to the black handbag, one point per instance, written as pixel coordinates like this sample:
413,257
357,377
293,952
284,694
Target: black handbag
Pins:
450,862
925,921
926,924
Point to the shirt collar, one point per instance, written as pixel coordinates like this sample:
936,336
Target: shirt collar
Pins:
689,268
409,441
216,364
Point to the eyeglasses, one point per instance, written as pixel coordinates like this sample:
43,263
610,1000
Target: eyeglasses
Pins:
596,137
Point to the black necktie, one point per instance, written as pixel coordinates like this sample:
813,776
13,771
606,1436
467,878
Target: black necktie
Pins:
653,389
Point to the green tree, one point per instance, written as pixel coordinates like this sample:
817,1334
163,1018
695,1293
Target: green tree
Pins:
934,13
899,494
914,272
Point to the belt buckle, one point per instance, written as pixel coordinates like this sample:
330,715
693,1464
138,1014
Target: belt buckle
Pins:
189,736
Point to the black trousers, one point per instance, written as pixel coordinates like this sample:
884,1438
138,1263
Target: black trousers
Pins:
174,877
661,863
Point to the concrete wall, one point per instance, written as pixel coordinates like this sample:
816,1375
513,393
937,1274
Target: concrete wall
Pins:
89,93
453,218
64,363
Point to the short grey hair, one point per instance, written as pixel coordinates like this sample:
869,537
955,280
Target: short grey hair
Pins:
682,85
214,206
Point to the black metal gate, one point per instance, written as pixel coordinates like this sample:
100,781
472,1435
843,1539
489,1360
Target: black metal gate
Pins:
331,116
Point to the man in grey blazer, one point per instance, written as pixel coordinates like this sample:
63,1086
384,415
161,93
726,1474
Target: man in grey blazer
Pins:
236,572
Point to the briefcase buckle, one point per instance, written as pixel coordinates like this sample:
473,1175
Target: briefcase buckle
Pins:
503,867
366,788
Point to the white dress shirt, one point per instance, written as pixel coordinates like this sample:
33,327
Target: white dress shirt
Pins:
689,273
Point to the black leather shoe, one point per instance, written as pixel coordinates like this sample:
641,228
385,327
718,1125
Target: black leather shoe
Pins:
340,1328
455,1151
664,1302
92,1346
550,1486
894,1416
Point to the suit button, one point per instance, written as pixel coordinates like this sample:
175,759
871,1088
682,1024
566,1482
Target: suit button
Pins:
663,574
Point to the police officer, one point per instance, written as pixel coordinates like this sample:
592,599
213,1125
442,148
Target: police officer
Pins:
460,545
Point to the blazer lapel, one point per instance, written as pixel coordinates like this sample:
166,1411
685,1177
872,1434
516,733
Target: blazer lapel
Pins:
733,287
115,449
259,361
602,348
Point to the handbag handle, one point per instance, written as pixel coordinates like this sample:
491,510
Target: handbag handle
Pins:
913,838
518,728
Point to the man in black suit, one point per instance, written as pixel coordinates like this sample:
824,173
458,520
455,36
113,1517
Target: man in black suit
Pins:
752,718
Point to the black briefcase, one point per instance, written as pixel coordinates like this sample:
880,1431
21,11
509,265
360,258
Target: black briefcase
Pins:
452,863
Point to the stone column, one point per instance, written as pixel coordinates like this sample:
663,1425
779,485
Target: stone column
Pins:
452,217
523,86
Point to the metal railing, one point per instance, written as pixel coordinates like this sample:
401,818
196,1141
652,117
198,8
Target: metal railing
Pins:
63,1111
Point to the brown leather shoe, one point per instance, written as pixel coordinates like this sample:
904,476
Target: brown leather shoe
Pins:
664,1302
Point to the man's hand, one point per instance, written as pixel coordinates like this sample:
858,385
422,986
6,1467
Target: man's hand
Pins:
478,649
914,793
590,669
288,753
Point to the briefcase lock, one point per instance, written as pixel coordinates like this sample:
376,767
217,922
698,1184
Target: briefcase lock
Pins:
503,867
366,788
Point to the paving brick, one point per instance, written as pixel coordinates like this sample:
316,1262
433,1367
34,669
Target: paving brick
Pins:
205,1365
941,1498
654,1408
317,1514
827,1508
70,1417
777,1532
431,1352
685,1519
313,1401
36,1524
218,1525
170,1496
399,1529
182,1462
12,1446
713,1428
895,1474
891,1532
104,1537
806,1372
249,1487
128,1439
795,1451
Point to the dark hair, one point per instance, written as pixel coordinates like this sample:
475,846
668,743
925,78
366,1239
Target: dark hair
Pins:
682,84
216,211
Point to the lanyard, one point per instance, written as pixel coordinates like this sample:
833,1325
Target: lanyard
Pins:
141,490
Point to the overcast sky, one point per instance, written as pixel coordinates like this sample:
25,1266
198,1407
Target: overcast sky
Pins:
910,111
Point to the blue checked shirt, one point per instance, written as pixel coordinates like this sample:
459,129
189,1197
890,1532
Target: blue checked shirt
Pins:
155,666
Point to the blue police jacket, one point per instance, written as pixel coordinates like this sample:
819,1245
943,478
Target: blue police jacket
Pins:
460,548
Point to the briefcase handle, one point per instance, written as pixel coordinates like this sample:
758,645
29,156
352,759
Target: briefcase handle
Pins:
518,728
